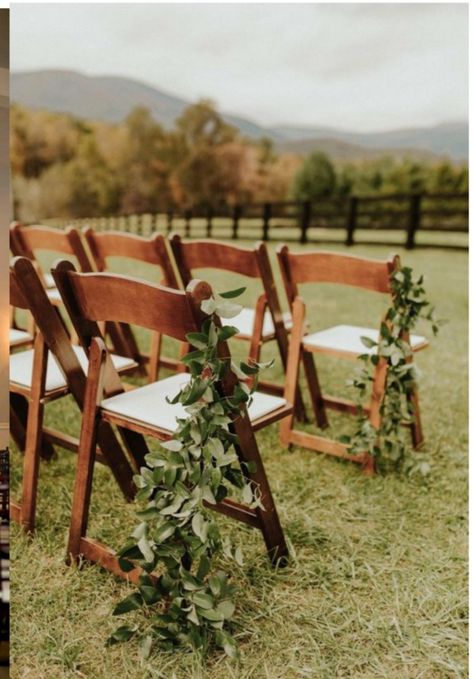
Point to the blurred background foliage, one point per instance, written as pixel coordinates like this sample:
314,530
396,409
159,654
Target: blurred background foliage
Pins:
67,167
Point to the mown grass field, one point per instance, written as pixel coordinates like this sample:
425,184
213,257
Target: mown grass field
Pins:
377,582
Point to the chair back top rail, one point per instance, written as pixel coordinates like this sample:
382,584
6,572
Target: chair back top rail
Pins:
331,267
211,254
93,297
152,250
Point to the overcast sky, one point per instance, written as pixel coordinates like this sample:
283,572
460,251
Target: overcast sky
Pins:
356,66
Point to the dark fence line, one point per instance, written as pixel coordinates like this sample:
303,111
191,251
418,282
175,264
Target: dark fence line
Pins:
305,222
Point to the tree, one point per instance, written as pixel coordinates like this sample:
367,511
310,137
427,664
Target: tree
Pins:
315,178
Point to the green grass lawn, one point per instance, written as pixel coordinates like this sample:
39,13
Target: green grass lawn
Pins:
377,581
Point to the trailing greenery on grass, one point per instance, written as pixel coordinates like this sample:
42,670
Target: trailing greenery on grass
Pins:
190,604
387,444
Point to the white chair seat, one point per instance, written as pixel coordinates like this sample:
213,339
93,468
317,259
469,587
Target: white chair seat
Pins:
54,296
18,337
147,405
21,368
49,280
245,321
347,339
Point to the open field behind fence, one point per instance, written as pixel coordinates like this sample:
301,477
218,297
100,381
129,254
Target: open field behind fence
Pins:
377,582
436,220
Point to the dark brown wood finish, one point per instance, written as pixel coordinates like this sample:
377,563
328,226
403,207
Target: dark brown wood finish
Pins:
154,251
27,405
178,318
253,262
364,273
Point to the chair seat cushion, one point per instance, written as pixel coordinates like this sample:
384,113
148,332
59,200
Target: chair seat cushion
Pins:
245,321
18,337
148,404
54,296
21,368
347,339
49,280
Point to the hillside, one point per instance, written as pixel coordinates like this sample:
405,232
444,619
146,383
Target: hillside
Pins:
111,98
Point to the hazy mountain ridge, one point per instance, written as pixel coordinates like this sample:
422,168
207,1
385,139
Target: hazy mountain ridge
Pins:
111,98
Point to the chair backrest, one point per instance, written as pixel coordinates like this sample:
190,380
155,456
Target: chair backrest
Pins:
94,297
331,267
26,241
211,254
152,250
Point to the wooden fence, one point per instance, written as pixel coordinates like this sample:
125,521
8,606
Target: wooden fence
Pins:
337,219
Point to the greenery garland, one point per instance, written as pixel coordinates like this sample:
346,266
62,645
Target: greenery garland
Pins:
388,443
190,605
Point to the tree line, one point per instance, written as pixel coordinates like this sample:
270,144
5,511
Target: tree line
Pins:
67,167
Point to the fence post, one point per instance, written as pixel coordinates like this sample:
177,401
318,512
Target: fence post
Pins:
169,216
266,219
187,227
209,222
351,223
236,219
305,220
414,220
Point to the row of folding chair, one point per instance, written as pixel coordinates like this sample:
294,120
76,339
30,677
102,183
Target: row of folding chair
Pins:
118,302
107,406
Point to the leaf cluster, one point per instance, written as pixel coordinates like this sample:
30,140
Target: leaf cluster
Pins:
188,604
387,443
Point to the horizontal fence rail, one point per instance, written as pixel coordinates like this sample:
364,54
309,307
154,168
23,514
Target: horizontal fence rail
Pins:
306,222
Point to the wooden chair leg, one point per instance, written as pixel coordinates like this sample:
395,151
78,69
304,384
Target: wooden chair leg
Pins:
154,354
86,453
314,389
34,430
31,465
292,369
415,426
268,519
377,396
18,425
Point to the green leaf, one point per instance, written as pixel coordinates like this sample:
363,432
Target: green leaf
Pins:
230,294
123,633
202,600
227,608
172,444
150,594
131,603
227,332
146,646
368,342
197,339
211,614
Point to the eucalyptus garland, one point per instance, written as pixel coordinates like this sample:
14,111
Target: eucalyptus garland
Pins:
189,604
388,443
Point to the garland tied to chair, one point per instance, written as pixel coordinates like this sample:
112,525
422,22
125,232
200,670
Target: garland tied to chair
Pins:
190,604
387,444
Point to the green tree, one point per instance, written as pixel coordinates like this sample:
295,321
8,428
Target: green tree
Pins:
316,178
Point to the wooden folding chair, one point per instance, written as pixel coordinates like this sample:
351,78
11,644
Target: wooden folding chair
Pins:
35,380
152,250
91,298
266,322
29,241
341,341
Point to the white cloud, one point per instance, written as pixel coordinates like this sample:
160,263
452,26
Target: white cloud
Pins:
362,66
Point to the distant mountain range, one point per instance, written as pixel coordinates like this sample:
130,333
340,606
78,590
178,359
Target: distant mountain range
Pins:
111,98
